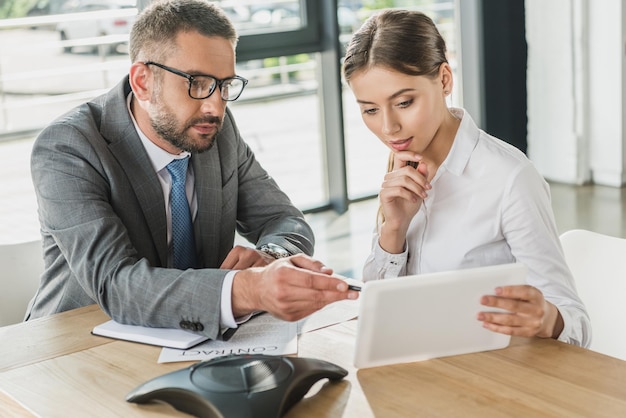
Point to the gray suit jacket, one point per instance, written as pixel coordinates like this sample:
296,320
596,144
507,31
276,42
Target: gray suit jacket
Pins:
102,216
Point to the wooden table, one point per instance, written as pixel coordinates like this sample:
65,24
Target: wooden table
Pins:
54,367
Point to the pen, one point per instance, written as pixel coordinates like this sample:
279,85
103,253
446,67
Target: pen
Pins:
228,334
356,288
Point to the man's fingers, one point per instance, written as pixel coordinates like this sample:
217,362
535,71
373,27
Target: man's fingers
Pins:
308,275
295,310
305,262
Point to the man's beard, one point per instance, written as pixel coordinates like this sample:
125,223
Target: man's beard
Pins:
165,124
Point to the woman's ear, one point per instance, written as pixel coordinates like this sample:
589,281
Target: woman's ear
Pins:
141,79
445,75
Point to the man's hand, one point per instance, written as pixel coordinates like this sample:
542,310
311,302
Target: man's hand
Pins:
240,258
289,288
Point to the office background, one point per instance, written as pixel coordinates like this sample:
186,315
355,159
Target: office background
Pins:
547,77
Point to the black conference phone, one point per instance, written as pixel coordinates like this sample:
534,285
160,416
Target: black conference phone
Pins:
241,386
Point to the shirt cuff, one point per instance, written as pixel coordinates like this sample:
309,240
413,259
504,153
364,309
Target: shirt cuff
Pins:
227,320
390,265
572,330
226,310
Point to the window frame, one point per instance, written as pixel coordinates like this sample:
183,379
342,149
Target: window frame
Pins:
318,34
307,39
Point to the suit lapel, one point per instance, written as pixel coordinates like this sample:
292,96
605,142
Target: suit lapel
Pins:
133,159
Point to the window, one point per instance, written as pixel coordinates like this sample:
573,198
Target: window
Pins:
290,113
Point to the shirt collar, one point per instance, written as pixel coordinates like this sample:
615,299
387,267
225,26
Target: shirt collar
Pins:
465,141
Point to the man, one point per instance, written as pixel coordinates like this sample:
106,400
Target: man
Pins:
109,197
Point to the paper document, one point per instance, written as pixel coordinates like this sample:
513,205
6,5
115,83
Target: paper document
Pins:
334,313
263,334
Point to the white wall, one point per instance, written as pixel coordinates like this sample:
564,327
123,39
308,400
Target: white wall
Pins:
576,90
607,91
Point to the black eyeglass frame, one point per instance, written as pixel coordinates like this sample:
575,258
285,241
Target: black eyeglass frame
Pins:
190,78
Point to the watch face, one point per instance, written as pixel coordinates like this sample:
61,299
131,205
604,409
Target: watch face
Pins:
275,251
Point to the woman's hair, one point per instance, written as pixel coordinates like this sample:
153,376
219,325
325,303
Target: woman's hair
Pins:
401,40
380,215
153,35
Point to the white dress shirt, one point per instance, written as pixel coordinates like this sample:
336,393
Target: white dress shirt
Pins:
160,159
488,205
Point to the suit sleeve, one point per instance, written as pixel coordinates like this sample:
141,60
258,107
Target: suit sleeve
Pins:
265,214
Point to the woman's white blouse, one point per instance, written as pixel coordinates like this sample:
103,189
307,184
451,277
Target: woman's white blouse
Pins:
488,205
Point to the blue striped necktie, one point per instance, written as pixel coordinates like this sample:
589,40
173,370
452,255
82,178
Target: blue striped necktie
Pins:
183,243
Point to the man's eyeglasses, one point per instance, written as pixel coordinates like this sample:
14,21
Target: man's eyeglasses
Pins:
203,86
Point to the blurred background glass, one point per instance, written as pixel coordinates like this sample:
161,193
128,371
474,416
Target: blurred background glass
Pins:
57,54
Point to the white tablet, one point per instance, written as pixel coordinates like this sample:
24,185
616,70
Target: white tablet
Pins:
420,317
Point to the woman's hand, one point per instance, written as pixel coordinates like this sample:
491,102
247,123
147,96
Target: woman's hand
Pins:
529,313
401,195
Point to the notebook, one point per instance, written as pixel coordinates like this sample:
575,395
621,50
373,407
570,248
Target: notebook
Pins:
164,337
420,317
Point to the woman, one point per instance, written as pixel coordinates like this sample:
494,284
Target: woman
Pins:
472,200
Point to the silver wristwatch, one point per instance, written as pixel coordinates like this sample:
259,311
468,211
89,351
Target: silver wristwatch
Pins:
274,250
